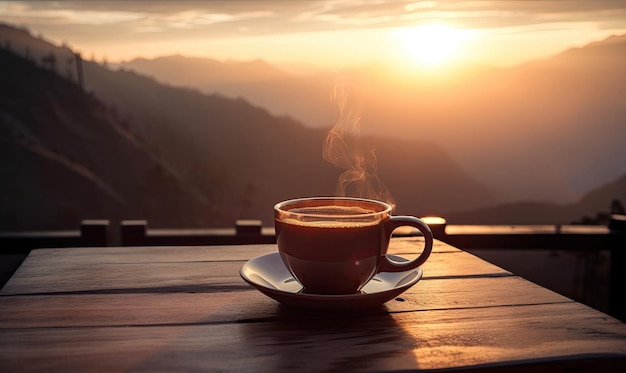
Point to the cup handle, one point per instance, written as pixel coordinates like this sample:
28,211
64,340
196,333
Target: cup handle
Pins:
390,225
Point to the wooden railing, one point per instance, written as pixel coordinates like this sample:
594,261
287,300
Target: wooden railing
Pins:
91,233
97,233
137,233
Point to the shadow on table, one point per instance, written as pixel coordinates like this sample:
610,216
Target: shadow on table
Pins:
311,341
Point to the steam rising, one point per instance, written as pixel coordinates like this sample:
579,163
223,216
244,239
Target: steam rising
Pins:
344,149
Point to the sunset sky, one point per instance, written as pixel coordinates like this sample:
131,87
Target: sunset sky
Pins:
327,33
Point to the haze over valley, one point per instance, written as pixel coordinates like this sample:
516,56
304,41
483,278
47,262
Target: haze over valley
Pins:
548,130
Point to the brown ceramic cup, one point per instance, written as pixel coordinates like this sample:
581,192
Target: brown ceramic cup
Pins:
335,245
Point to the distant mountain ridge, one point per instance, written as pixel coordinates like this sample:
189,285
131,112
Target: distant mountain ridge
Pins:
198,69
595,202
283,94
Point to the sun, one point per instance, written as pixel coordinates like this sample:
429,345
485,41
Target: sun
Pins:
431,44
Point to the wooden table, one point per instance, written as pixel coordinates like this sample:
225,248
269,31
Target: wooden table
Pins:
186,308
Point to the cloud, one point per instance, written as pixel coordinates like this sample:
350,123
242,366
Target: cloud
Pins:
228,18
124,28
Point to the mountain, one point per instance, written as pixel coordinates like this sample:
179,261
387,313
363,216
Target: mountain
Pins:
549,130
281,93
594,203
124,146
65,157
559,121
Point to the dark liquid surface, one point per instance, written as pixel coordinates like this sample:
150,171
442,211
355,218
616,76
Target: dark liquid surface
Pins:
328,240
332,210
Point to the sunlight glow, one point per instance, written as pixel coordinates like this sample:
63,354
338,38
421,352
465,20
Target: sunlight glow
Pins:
433,220
430,44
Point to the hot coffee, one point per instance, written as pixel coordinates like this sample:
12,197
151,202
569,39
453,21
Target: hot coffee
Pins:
336,245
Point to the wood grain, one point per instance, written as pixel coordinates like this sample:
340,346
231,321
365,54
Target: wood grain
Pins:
245,304
416,340
184,269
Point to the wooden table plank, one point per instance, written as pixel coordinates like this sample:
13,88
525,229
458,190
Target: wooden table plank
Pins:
176,254
199,269
120,309
416,340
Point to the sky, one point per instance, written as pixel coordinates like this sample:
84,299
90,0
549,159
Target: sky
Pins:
330,33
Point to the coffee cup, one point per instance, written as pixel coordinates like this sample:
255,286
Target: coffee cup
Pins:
335,245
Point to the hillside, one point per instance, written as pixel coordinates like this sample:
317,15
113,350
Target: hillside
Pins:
305,99
549,130
560,120
65,157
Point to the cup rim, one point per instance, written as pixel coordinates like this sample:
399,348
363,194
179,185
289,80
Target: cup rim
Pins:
386,208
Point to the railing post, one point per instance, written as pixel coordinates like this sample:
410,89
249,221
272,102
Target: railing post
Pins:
437,225
248,227
617,244
133,232
94,233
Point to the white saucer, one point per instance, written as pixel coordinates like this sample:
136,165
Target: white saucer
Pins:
269,275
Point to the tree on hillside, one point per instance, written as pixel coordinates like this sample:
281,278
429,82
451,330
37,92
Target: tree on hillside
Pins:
602,217
617,207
